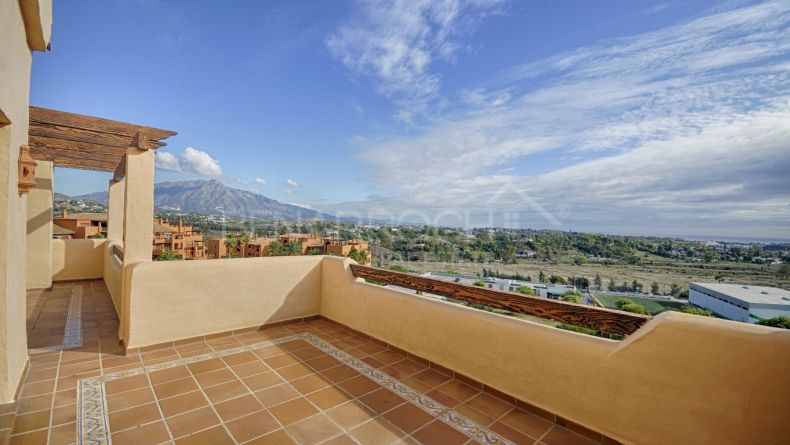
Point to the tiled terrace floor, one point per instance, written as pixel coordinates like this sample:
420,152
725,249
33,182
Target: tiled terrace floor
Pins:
305,382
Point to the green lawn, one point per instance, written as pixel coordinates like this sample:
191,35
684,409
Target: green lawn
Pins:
652,305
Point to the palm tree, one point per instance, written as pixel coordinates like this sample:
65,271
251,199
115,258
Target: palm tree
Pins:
276,248
293,248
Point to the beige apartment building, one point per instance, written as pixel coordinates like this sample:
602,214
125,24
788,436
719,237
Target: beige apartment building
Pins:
99,344
309,244
184,241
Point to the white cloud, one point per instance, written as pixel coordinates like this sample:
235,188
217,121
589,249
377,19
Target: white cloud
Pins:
394,43
167,162
291,183
200,163
260,181
192,161
688,125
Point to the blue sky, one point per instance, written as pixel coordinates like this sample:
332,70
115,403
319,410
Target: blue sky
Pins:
669,117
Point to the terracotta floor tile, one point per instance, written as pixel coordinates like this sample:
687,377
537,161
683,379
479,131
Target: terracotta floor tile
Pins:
170,374
340,373
310,383
373,362
212,436
489,405
238,407
442,398
215,377
358,385
226,391
174,406
126,384
31,421
211,364
343,439
130,399
64,414
279,437
431,377
35,403
34,438
308,353
408,417
250,368
192,422
293,411
252,426
153,433
328,397
377,432
527,423
44,374
439,433
389,357
382,400
322,362
295,371
458,390
368,349
561,436
279,361
175,387
511,434
65,434
239,358
474,415
263,380
65,397
277,394
351,414
313,430
133,417
37,388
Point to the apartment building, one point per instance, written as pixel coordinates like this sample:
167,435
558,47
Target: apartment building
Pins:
185,241
83,225
309,244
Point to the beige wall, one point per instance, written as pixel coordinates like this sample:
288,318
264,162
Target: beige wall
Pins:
15,62
679,379
77,259
39,228
171,300
113,275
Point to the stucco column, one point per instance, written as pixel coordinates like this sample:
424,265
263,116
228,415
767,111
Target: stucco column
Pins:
115,209
138,219
39,228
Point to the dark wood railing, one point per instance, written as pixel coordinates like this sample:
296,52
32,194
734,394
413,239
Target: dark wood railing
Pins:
600,319
118,251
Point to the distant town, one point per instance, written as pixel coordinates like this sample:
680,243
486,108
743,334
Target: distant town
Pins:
741,281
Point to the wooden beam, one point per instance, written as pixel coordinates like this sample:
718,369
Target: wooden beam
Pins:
607,320
40,129
74,120
72,159
141,140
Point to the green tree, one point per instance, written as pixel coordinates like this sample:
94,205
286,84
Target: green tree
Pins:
360,256
719,277
572,297
542,277
784,271
612,285
168,255
654,289
276,248
480,283
696,311
622,302
597,281
526,290
776,322
674,290
633,307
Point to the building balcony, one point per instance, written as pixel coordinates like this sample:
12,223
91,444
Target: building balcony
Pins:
300,350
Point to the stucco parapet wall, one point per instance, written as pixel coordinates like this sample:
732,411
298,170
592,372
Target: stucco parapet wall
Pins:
679,379
37,15
77,259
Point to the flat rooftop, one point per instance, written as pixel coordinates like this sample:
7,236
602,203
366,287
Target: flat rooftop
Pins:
749,293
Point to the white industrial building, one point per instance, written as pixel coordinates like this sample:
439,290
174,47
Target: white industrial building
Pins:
741,302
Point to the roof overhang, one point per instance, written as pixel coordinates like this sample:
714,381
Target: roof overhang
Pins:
86,142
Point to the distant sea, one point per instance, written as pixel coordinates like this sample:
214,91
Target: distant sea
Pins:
736,239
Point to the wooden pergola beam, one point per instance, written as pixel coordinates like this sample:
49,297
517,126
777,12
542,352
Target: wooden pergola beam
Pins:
86,142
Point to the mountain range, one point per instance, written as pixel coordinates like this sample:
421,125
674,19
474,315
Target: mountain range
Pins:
214,197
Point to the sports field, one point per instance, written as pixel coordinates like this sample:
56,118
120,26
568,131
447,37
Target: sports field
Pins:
652,305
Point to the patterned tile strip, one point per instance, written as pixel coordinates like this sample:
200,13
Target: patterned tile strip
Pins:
72,332
93,428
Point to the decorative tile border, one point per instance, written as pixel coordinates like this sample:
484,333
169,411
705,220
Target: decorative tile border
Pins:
93,427
72,332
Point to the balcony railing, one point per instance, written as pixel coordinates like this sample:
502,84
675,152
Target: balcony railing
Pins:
606,320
